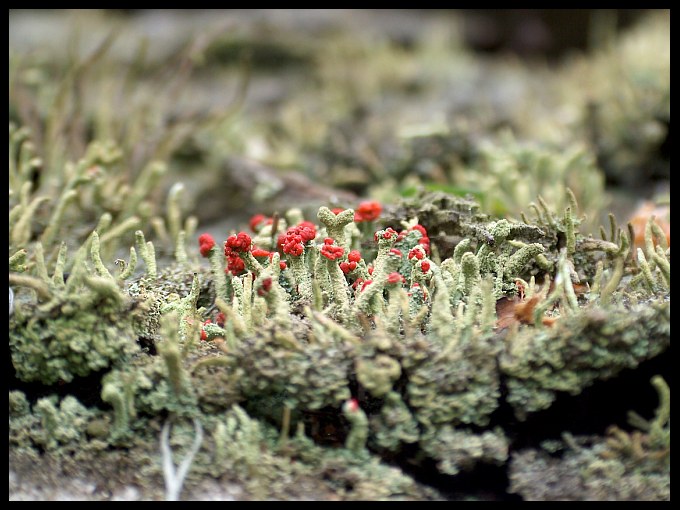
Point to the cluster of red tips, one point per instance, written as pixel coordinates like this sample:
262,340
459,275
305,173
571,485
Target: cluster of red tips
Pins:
204,335
307,230
353,258
348,267
352,405
424,240
259,252
220,319
235,244
292,245
265,287
258,221
205,244
337,210
425,266
388,233
238,242
365,284
415,252
330,251
235,265
367,211
292,242
394,278
396,252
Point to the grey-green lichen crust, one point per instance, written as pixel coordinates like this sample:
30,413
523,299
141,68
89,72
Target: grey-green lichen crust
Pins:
623,466
64,340
576,351
275,380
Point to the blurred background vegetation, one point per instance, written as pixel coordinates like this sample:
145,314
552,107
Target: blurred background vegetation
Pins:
259,110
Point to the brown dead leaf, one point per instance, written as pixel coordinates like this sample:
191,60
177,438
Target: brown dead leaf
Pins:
515,311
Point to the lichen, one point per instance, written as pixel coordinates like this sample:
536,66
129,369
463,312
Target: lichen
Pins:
622,466
345,343
72,335
456,450
576,351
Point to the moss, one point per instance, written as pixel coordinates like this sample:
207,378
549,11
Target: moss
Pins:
459,387
459,449
378,374
622,466
582,477
578,350
22,422
310,377
395,425
69,341
50,424
432,361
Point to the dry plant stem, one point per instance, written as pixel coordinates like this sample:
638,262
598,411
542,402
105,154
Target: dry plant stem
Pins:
174,478
39,286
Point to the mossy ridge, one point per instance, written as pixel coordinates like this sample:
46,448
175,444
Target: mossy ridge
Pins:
452,379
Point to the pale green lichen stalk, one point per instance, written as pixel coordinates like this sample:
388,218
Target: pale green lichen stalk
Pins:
336,223
356,439
83,326
147,252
